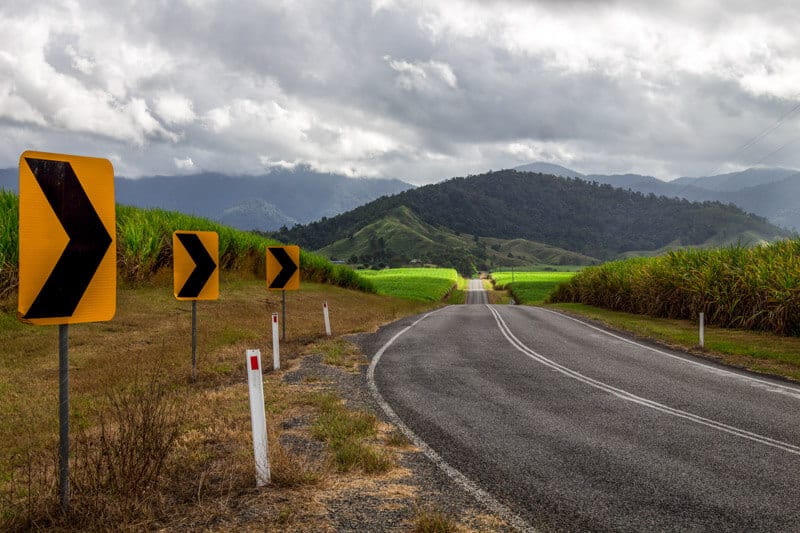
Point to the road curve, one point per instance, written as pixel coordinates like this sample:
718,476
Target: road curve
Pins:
572,428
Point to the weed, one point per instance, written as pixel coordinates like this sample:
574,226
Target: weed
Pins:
351,453
346,432
288,469
339,352
339,424
121,462
397,438
433,521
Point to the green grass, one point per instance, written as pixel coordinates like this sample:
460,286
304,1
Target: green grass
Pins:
9,237
540,267
428,284
346,433
755,350
530,288
737,287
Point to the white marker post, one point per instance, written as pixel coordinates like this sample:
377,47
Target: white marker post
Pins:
258,417
702,330
276,349
327,319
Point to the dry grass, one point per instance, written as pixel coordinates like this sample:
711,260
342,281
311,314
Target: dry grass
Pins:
430,520
200,475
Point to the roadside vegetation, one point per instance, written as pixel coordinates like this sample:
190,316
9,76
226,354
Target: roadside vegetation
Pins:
757,351
735,286
530,288
144,248
153,450
426,284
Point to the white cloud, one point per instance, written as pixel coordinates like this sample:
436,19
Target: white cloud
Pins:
184,164
423,75
174,109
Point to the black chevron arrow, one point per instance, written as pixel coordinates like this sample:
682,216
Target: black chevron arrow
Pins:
88,240
204,265
288,268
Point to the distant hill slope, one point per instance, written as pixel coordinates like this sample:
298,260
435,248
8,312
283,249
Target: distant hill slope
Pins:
769,192
400,237
266,202
592,219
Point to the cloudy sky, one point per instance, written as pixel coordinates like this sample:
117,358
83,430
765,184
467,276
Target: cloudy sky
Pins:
417,90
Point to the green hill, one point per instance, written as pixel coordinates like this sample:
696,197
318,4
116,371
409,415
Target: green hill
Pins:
595,220
400,237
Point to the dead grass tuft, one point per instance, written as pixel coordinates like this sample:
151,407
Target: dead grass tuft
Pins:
430,520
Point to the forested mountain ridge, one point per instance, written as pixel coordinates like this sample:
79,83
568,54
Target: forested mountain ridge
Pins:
769,192
590,218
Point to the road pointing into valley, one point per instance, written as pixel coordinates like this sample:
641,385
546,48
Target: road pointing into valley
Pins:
475,292
557,424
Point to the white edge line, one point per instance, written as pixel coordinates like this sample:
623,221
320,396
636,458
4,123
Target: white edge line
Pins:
460,479
628,396
667,354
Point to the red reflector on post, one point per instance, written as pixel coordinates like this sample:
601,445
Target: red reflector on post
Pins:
253,362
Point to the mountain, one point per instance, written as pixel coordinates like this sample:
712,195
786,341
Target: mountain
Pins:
768,192
9,179
265,202
596,220
549,168
400,237
736,181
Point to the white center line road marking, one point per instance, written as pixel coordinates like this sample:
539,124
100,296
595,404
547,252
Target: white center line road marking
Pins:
627,396
460,479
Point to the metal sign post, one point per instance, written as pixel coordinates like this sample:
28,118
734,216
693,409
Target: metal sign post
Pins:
283,315
63,416
194,340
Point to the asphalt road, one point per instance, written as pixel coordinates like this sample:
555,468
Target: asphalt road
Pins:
475,292
575,429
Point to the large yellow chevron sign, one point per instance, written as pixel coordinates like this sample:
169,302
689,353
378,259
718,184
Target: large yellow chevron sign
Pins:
67,236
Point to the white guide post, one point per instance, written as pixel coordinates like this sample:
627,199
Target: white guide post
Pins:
276,349
702,330
327,319
258,417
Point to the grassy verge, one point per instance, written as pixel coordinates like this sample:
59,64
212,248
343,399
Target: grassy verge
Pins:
756,351
201,430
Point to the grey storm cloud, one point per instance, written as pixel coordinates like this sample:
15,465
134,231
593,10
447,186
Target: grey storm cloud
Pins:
410,89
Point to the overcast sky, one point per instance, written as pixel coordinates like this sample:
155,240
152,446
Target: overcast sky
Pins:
418,90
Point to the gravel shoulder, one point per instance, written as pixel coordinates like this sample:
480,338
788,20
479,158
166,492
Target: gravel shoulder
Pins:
415,486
